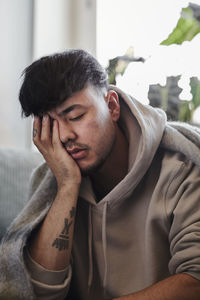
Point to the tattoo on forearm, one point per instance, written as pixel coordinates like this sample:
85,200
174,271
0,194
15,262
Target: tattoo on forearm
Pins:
72,212
34,132
62,242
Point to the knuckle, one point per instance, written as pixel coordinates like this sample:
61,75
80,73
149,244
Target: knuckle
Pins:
44,139
54,142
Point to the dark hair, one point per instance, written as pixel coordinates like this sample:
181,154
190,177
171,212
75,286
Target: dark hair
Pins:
49,81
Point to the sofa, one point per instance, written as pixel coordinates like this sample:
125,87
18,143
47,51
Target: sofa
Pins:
16,167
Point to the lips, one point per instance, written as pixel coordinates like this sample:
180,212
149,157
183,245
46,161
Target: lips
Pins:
77,153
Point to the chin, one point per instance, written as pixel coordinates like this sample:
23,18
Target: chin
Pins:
87,171
92,169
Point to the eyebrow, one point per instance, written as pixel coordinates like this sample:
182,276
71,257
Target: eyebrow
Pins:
70,108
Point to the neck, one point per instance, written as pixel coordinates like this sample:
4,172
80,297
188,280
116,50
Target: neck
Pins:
114,169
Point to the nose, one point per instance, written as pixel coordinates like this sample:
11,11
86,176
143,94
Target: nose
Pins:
66,132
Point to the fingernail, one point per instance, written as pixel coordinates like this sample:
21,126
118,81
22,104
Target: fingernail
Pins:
45,117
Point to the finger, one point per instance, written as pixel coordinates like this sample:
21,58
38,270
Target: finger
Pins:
36,128
37,132
55,134
45,130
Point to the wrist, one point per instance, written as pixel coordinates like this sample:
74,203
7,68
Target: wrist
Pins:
66,183
70,187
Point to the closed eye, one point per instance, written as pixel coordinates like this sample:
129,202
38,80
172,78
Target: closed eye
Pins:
76,118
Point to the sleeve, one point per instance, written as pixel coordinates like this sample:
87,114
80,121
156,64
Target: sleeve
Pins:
48,284
183,209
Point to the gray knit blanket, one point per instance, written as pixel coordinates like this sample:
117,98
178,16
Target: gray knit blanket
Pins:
14,278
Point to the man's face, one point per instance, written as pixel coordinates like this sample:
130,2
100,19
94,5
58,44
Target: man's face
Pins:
87,128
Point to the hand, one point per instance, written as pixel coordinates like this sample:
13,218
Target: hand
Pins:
58,159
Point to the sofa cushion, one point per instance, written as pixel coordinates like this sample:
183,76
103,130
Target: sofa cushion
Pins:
16,167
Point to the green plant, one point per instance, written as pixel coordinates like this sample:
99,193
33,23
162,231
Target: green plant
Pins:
187,108
119,64
188,26
166,97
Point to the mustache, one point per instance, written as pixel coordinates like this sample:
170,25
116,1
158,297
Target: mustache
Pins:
70,145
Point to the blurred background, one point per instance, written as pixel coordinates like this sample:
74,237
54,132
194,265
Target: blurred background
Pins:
150,49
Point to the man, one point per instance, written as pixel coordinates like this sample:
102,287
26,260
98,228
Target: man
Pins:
114,213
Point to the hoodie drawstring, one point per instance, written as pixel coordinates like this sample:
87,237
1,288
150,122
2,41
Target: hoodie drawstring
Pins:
90,275
104,246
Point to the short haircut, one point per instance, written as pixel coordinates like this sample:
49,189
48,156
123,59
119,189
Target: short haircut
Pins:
49,81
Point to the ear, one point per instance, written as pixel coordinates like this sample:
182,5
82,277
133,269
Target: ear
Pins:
112,101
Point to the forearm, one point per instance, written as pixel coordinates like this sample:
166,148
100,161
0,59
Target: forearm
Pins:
51,244
176,287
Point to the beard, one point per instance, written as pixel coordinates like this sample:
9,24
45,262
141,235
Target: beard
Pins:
103,156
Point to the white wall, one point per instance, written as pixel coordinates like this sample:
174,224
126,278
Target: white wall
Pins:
15,54
63,24
83,18
51,26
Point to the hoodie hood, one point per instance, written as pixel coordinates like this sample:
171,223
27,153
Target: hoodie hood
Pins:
144,127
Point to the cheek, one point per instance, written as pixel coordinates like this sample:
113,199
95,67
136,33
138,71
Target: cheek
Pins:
99,133
93,131
93,128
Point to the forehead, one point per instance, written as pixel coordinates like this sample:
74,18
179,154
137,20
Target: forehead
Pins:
84,98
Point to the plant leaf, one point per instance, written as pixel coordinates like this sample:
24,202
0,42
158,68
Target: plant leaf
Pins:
186,112
166,97
195,91
186,28
196,11
118,65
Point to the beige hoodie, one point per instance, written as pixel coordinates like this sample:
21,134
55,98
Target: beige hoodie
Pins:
146,229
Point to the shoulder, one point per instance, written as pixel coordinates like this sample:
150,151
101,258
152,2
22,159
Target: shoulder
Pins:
176,167
180,178
182,138
176,163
